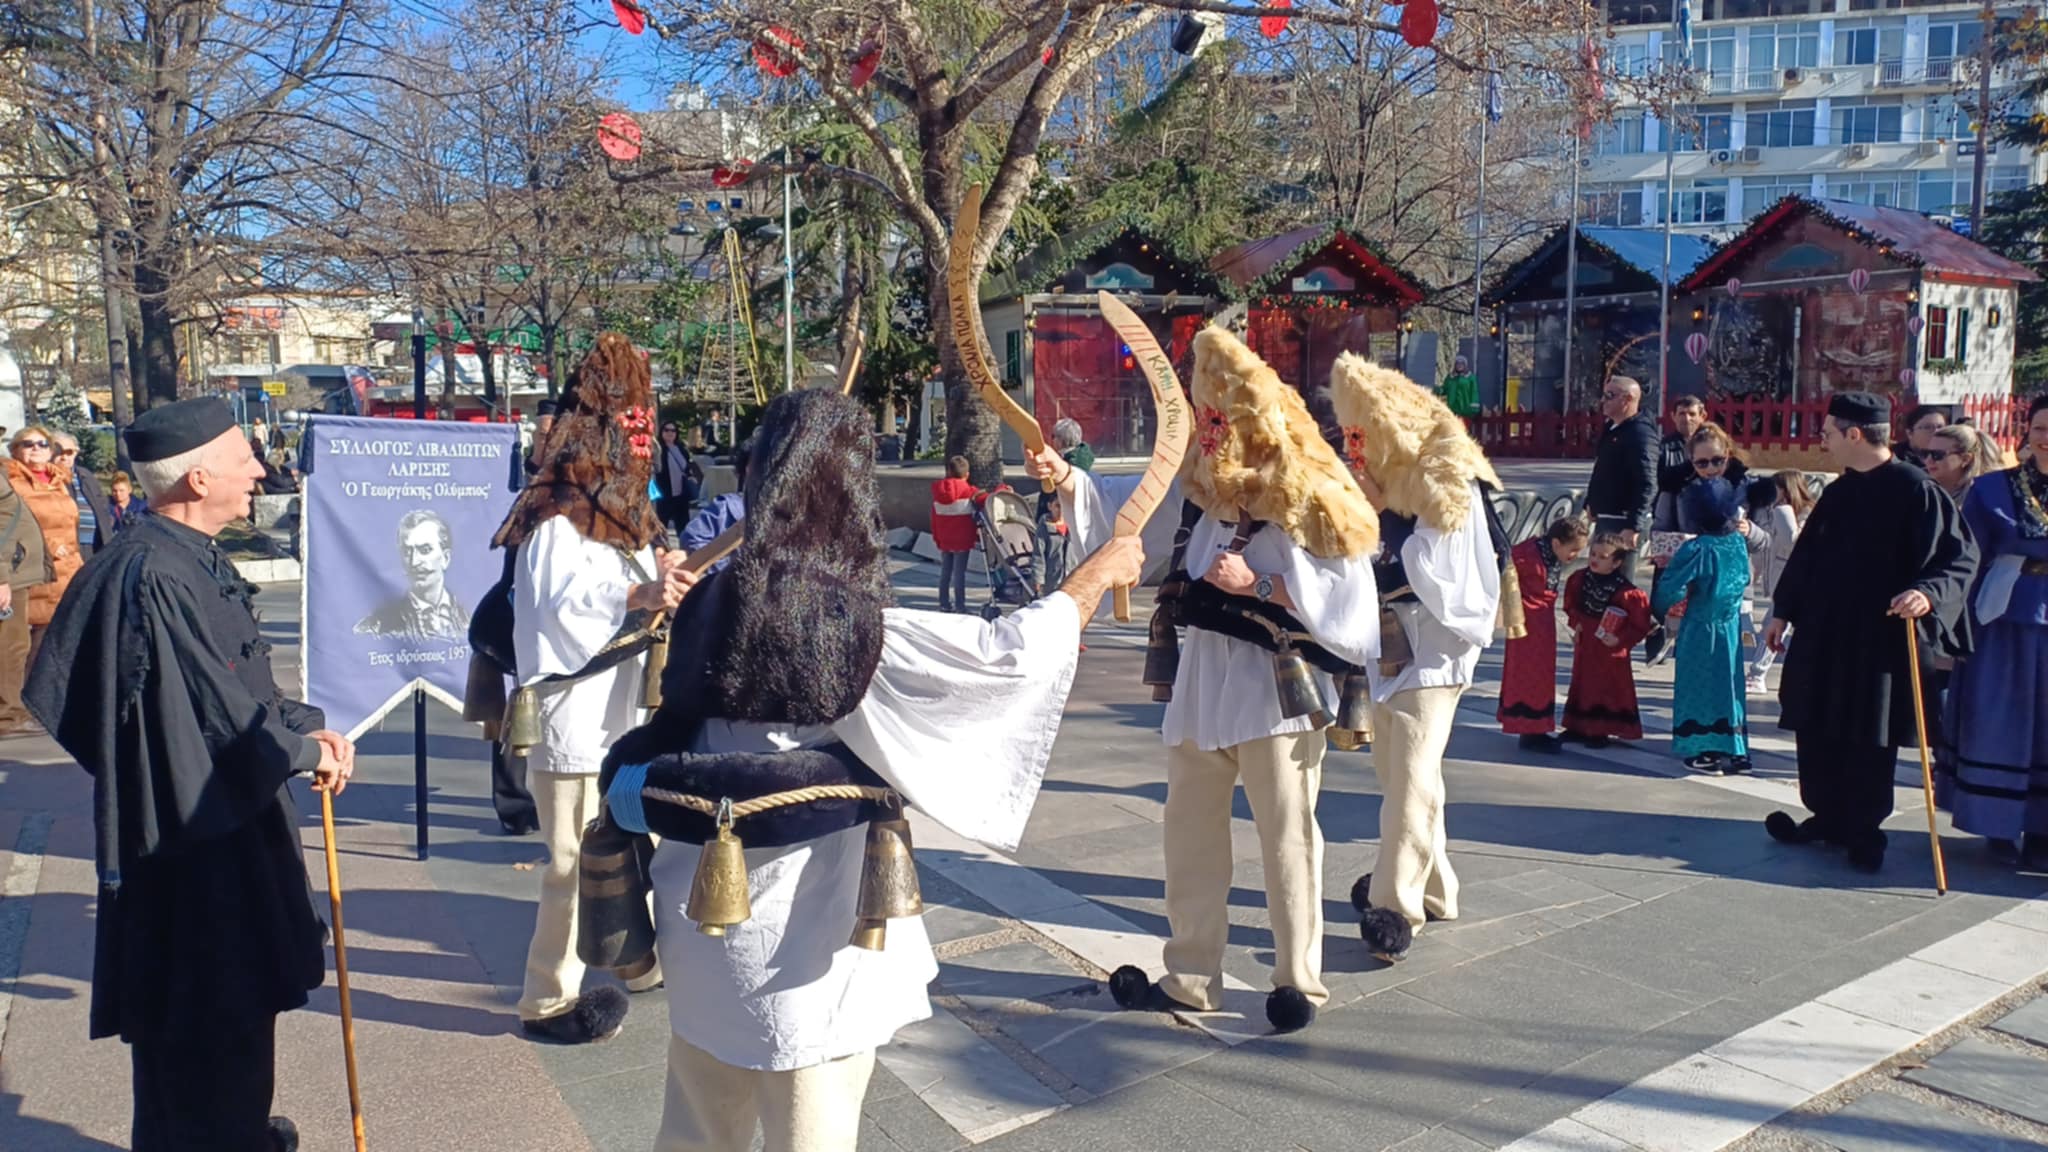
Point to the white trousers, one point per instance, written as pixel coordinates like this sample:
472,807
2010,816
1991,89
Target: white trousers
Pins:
563,803
1413,874
1282,775
712,1106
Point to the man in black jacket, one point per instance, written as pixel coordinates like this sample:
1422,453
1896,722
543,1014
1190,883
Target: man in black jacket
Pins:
1674,459
1622,493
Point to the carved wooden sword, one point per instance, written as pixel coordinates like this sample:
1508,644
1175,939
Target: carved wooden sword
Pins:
964,303
1169,440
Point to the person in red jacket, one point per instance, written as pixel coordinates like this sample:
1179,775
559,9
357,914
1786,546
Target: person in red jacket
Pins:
953,531
1528,683
1608,616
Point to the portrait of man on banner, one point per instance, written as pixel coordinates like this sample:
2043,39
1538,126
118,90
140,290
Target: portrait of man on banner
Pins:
426,608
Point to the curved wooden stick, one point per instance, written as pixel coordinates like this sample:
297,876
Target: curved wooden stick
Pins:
1169,441
720,546
348,1019
963,301
1926,756
852,367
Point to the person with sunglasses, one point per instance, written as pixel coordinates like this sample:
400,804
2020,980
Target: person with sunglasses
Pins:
45,484
94,515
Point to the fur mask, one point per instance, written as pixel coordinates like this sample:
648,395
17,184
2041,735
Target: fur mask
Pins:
594,465
1408,442
1256,449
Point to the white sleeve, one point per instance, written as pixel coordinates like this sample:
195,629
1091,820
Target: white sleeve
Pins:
1337,601
567,602
1097,499
962,713
1454,576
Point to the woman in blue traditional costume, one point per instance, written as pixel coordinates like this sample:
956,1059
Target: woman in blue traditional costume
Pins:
1710,572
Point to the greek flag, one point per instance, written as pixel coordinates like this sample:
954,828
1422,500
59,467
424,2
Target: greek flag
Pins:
1685,27
1493,103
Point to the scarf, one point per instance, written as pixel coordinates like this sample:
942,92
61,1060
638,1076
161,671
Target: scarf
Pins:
1552,570
2030,499
1596,592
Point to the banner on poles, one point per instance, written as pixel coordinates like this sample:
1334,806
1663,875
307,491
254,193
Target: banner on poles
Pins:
396,549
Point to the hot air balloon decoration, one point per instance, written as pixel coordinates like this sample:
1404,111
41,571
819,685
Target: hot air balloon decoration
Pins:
1859,281
1913,325
1734,287
1905,377
1696,346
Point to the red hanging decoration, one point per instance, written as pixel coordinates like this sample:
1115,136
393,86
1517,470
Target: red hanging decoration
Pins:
775,51
631,18
1047,57
1271,27
619,136
1418,23
864,65
734,176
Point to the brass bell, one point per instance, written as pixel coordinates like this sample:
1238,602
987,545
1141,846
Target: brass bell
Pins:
1297,686
1354,702
718,893
483,696
1162,656
650,673
614,928
522,721
888,882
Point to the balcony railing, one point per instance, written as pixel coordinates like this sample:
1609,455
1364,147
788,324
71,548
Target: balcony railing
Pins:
1941,69
1892,74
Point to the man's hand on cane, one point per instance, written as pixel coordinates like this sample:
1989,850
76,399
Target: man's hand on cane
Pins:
1911,604
337,761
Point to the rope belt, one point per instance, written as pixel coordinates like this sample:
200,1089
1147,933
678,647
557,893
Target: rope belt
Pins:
726,811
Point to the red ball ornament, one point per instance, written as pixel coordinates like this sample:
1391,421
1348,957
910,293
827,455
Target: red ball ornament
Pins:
864,65
1272,26
631,18
1418,23
619,136
775,51
733,176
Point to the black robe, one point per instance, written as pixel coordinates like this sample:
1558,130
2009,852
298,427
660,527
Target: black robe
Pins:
1872,536
155,677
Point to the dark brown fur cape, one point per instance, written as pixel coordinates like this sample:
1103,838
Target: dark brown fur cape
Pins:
594,465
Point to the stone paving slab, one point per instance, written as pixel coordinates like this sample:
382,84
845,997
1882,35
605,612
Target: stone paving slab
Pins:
1992,1075
1887,1122
2029,1022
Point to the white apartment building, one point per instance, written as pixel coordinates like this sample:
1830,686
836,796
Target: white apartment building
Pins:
1843,99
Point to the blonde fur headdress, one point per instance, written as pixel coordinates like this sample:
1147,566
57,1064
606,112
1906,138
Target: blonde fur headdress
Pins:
1413,446
1258,450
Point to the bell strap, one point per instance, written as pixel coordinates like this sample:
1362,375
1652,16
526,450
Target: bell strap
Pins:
1246,527
741,809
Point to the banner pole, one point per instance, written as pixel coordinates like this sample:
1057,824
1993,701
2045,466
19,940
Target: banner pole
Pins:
419,695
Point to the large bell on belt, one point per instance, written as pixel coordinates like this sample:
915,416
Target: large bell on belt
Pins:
718,893
1354,703
483,696
650,673
613,926
888,882
1162,656
522,721
1297,685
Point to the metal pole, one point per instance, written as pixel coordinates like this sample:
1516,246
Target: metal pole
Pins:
1977,191
1664,297
1571,278
419,696
1479,226
788,288
110,263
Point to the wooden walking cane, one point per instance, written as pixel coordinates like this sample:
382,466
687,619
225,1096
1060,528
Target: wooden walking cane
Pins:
348,1022
1926,756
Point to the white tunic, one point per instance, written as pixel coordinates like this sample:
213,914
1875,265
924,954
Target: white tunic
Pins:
1456,581
960,717
1224,694
569,600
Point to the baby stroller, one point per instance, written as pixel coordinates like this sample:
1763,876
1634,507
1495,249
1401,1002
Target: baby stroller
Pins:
1009,546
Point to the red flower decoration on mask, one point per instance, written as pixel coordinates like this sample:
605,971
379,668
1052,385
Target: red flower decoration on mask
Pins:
638,424
1214,425
1354,448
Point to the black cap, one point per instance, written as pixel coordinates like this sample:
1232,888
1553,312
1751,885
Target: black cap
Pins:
166,431
1860,408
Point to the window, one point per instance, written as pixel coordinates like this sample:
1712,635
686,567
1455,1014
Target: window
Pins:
1962,336
1885,191
1787,125
1622,136
1762,9
1947,43
1759,195
1701,202
1775,47
1616,205
1013,357
1937,335
1945,193
1863,120
2009,179
1714,54
1705,128
1626,59
1946,119
1869,45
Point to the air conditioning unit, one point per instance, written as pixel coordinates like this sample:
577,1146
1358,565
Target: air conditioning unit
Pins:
1721,157
1928,149
1793,76
1859,152
1752,155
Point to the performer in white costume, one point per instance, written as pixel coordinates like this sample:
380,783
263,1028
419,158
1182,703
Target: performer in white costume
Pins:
1272,579
1439,574
792,952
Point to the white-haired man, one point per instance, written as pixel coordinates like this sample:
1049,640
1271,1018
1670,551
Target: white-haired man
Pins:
155,677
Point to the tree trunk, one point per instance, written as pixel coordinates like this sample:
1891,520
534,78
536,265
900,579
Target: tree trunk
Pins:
971,425
159,359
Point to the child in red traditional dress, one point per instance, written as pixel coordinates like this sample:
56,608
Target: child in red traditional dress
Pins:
1608,616
1528,684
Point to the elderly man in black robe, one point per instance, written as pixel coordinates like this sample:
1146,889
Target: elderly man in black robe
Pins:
1882,545
155,677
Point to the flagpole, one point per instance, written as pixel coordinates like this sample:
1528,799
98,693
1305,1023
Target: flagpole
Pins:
1479,227
1680,25
1571,277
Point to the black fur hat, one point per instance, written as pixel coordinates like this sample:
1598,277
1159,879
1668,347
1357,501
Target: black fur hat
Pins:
791,631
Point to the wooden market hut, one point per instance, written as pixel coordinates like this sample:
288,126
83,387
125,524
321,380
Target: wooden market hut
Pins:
1051,341
1315,292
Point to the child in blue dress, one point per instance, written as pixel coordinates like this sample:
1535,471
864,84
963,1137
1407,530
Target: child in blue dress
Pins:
1710,572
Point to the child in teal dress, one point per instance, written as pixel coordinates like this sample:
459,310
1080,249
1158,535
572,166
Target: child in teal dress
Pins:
1710,572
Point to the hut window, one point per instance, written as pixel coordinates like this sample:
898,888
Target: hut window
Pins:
1937,334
